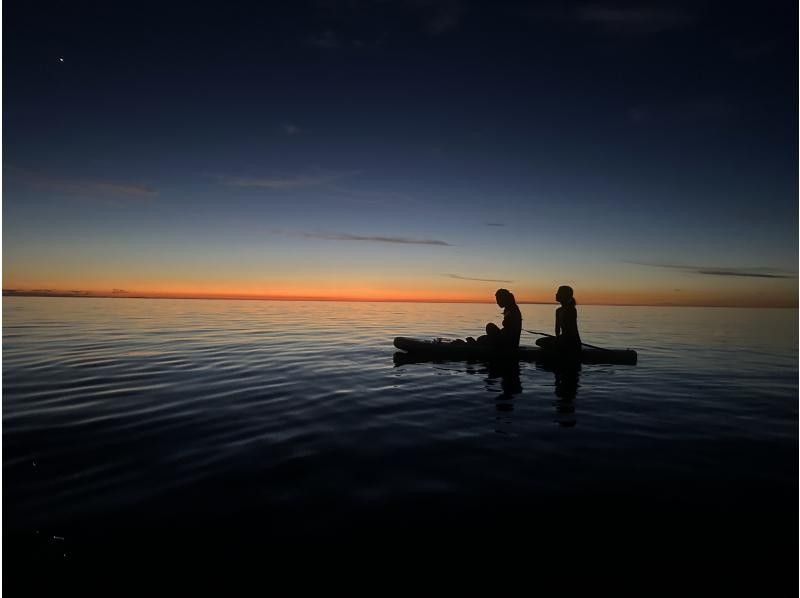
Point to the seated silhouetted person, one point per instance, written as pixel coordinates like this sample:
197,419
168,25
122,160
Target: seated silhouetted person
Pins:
506,337
567,341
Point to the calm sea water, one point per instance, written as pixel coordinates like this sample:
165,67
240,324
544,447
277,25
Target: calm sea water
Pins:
291,421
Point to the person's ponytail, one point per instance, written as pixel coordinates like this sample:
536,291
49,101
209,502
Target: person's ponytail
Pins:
507,294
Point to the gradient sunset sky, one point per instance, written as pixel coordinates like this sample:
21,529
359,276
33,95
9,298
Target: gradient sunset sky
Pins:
641,152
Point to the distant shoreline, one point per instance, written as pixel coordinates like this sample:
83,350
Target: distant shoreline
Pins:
86,295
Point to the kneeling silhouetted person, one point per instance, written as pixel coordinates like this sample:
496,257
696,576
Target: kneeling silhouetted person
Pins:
567,341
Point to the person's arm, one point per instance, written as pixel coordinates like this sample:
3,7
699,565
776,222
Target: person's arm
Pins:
558,324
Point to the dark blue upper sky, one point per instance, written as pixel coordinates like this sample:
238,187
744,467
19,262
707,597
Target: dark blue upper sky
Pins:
654,132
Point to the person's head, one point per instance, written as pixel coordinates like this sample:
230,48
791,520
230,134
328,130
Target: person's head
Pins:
504,298
564,295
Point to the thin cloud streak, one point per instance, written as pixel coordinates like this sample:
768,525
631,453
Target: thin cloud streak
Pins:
457,277
644,19
371,238
740,273
327,40
717,271
86,187
445,16
698,111
366,238
296,182
612,19
101,188
360,196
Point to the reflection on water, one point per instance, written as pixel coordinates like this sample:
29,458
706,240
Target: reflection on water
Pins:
508,373
567,381
143,416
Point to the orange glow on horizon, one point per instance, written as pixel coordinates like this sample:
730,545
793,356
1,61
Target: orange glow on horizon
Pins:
390,281
377,294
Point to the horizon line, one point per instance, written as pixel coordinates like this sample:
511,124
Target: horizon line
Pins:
86,295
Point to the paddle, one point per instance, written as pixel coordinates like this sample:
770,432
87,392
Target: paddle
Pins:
551,336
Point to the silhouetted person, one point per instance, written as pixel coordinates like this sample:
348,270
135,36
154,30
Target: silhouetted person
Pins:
506,337
567,341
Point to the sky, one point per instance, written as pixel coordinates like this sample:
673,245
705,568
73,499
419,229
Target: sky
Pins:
641,152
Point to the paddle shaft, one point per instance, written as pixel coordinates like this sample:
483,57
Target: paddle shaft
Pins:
551,336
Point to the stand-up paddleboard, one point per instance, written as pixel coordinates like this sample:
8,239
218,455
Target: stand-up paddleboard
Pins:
422,349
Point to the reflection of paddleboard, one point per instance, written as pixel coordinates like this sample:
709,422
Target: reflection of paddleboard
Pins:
444,349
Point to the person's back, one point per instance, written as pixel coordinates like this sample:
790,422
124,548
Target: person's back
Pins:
512,325
567,324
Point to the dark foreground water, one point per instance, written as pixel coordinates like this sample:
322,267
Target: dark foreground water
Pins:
164,429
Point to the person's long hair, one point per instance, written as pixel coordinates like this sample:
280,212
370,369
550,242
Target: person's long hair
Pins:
506,293
566,291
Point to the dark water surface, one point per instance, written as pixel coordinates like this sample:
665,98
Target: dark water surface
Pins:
243,426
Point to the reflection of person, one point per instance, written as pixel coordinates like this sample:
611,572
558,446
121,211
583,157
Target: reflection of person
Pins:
509,374
566,384
567,339
506,337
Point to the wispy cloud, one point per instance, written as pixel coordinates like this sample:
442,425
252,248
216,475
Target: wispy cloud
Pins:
495,224
612,18
333,186
635,20
371,196
83,187
699,110
326,40
330,40
291,129
723,271
441,16
369,238
457,277
104,188
293,182
346,20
